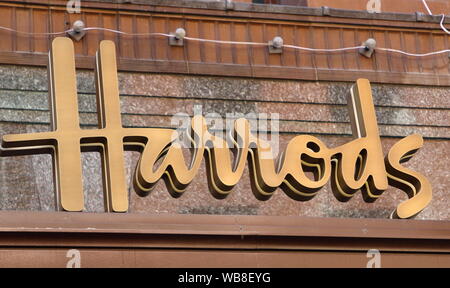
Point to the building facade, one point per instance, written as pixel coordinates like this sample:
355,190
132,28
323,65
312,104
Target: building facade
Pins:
156,80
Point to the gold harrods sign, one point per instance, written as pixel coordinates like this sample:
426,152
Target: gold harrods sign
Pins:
356,165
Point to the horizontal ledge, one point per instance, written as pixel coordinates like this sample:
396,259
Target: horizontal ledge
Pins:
183,224
250,10
239,70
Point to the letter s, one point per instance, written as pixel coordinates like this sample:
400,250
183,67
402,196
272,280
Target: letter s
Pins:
414,184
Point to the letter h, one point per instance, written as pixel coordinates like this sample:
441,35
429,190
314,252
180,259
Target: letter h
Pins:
67,140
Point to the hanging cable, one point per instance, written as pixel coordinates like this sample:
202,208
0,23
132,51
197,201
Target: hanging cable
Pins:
318,50
442,24
323,50
413,54
124,33
331,50
442,19
426,6
36,34
225,42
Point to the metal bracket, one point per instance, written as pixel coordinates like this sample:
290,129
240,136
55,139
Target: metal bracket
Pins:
276,45
369,48
77,32
176,38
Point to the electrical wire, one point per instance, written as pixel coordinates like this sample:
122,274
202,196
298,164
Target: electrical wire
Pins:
331,50
225,42
426,6
442,19
413,54
442,24
323,50
32,33
123,33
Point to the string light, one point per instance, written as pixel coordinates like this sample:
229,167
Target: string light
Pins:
226,41
331,50
319,50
